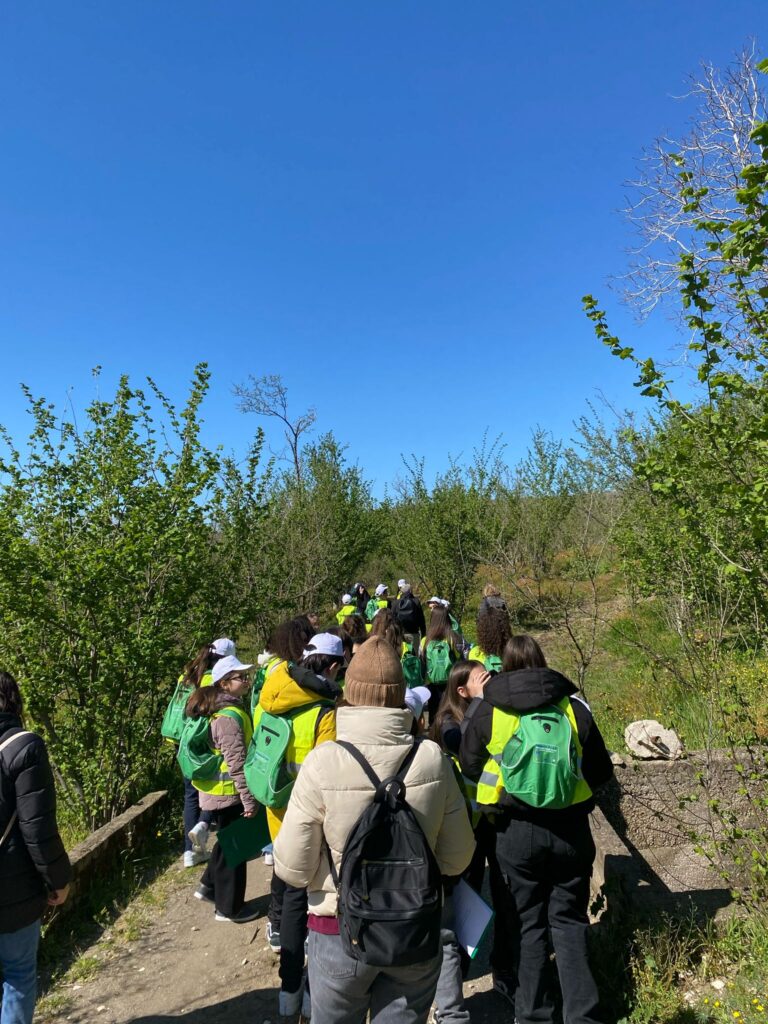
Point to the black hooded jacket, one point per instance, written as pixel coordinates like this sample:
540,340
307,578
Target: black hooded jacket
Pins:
33,861
526,690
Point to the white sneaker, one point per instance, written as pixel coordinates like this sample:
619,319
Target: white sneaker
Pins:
290,1003
192,858
198,836
269,860
243,916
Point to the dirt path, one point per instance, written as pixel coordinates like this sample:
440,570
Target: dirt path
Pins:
167,958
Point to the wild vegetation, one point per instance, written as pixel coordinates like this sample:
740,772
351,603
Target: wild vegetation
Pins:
637,551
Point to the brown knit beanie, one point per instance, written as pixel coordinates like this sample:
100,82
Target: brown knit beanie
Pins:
375,676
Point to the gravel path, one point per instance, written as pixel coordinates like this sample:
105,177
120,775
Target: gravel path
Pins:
181,964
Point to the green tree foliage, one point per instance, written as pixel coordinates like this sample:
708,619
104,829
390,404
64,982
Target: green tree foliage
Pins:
116,542
700,536
319,528
441,535
704,468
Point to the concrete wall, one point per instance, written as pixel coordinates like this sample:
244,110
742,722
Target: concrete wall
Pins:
650,819
97,855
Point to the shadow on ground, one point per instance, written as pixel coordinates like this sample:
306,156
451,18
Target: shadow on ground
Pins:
239,1008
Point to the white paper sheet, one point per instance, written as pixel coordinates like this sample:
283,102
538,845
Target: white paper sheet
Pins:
471,917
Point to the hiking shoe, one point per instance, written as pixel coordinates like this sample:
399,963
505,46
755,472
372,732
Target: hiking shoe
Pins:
273,938
204,892
198,836
505,985
243,916
192,858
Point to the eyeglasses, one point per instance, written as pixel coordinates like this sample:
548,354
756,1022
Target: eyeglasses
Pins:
240,679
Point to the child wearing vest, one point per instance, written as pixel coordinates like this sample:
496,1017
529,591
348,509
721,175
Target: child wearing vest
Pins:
226,796
467,681
440,648
330,795
493,632
196,821
545,847
310,685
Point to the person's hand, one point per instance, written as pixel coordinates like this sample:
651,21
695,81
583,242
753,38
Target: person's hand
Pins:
249,814
58,896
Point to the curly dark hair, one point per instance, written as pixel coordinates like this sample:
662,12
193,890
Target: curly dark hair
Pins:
493,629
10,695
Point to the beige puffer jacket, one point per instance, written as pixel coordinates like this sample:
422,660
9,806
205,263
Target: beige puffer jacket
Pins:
332,792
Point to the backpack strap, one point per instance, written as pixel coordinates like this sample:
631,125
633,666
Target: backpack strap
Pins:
362,761
381,787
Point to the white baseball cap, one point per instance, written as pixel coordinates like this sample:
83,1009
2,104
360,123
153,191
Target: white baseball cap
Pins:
226,665
325,643
435,600
224,647
346,599
402,583
381,589
416,698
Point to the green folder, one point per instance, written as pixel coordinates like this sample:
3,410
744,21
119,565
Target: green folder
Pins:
244,838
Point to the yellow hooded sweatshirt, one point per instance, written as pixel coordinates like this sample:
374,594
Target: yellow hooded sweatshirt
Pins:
287,688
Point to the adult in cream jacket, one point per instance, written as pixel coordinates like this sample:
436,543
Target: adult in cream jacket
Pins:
330,794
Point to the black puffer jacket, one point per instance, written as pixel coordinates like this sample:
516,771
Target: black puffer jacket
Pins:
33,861
526,690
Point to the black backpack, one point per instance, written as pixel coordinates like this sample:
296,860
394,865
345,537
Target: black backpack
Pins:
389,888
405,612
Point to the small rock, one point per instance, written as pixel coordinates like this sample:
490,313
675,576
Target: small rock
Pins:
718,984
650,741
244,962
141,969
76,988
195,928
618,759
100,1009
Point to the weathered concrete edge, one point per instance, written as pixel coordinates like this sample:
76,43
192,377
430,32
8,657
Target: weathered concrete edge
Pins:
98,853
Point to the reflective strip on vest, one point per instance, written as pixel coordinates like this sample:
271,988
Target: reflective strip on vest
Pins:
504,725
221,784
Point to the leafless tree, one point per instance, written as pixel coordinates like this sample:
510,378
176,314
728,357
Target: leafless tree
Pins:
268,396
729,103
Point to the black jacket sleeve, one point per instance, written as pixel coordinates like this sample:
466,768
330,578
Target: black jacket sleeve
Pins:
475,736
36,808
596,764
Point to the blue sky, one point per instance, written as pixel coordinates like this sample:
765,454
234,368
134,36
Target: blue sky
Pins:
395,206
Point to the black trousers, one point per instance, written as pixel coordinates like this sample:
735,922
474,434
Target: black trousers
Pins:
503,923
548,868
288,915
228,884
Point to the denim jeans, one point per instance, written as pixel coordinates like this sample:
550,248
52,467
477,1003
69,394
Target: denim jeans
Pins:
344,989
548,867
18,960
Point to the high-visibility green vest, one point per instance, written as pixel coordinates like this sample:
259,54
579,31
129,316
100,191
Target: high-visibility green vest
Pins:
222,784
303,735
348,609
504,725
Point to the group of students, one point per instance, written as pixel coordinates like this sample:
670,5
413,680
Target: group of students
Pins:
491,753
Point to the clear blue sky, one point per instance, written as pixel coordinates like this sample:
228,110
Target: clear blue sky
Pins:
395,206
